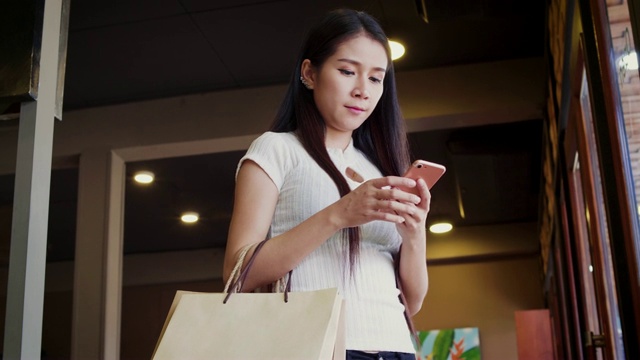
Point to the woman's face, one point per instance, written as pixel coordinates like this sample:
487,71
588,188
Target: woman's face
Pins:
347,87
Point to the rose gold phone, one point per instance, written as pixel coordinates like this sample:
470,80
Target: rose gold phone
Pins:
428,171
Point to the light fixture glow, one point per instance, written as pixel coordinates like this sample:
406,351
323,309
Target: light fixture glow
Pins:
397,49
190,217
441,227
630,61
143,177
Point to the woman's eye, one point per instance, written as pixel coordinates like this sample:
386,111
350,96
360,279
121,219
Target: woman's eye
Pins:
346,72
375,80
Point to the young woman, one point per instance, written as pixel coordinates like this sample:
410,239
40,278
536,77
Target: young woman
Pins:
322,185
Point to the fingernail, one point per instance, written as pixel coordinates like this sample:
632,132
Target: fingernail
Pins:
353,175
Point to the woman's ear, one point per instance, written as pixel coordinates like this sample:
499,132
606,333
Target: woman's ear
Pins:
307,74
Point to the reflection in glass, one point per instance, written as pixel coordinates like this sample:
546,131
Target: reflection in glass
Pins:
626,61
624,53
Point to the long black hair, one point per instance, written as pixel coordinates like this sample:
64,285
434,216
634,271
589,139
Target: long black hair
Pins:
382,137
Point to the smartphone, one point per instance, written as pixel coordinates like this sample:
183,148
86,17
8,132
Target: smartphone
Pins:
428,171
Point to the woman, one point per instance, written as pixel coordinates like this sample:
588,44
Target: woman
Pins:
321,184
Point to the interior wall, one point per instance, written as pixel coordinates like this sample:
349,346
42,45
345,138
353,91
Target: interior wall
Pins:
56,325
450,97
144,309
485,295
479,276
482,294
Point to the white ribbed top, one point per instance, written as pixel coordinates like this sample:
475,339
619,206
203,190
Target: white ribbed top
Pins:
374,315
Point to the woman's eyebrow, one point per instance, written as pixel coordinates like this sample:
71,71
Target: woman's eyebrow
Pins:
354,62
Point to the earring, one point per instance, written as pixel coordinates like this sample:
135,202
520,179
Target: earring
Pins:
305,83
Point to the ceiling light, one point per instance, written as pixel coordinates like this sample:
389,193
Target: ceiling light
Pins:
143,177
441,227
397,49
189,217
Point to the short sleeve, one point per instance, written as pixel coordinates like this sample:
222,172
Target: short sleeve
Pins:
273,153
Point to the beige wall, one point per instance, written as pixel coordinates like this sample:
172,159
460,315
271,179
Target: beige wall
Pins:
479,276
430,99
483,295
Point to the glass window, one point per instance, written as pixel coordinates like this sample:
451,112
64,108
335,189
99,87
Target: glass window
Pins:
626,64
625,60
606,263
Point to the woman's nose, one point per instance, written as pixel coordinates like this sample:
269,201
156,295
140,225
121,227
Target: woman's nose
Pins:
361,92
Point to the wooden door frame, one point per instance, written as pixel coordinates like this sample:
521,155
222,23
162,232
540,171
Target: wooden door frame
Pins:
577,141
624,226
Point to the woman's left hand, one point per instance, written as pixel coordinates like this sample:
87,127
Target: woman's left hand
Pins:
414,225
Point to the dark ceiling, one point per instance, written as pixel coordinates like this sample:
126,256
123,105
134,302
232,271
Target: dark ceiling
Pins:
122,51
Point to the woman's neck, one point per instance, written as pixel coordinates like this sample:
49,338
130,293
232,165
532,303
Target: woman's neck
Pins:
335,140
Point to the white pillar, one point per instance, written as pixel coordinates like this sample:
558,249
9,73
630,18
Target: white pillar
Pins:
25,290
97,283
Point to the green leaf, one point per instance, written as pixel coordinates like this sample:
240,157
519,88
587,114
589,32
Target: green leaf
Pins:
443,343
471,354
423,335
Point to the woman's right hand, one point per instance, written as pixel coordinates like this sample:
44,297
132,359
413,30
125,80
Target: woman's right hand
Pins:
375,199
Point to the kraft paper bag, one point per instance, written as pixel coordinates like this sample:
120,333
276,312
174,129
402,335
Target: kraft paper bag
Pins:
310,325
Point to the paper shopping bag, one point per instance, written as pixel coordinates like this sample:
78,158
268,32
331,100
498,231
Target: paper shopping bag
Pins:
309,325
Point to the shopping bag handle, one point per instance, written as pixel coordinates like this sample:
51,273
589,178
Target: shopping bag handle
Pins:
245,272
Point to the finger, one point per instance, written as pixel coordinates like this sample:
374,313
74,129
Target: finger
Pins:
391,217
393,181
424,193
400,195
396,207
353,175
385,214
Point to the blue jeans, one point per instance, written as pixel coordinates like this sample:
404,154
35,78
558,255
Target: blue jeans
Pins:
382,355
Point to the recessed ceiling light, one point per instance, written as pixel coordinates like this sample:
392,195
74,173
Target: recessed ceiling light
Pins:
143,177
441,227
397,49
189,217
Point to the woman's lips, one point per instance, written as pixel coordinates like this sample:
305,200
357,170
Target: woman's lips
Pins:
355,109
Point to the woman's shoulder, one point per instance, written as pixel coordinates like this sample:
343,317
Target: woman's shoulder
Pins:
278,136
276,152
279,141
